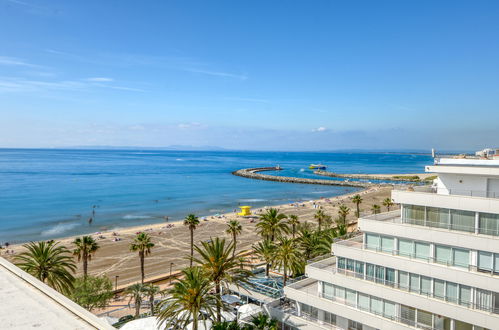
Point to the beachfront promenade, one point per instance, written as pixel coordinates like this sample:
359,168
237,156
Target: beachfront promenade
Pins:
254,173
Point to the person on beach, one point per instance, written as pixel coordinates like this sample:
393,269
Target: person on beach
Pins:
90,220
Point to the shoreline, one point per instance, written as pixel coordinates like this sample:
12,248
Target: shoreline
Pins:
172,244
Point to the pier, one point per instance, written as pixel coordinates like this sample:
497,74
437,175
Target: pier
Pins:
254,173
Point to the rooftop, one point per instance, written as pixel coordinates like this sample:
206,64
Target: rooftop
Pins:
29,303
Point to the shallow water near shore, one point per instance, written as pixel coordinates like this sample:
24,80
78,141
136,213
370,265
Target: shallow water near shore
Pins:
48,194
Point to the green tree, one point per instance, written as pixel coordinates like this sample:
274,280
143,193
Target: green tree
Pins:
387,202
221,266
136,292
226,325
313,243
265,250
49,262
287,256
320,217
92,291
192,222
187,298
151,291
262,321
85,247
375,208
272,224
293,221
343,212
234,228
357,200
142,243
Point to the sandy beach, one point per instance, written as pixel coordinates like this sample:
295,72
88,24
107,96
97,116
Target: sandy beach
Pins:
172,238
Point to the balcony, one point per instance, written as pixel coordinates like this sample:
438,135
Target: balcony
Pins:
467,275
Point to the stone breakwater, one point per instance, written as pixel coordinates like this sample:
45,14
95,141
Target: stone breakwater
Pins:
253,173
401,177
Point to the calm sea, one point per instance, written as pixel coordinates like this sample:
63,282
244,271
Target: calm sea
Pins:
52,193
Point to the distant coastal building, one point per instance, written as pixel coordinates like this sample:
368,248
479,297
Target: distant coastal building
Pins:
433,264
28,303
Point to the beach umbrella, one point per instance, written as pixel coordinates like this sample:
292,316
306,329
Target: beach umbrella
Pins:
148,323
228,316
248,310
230,299
202,325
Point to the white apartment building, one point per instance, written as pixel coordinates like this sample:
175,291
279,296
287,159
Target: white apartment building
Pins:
433,264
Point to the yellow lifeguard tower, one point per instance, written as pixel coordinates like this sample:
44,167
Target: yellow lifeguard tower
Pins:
245,210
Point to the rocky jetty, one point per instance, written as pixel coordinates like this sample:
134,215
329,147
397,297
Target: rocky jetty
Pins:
253,173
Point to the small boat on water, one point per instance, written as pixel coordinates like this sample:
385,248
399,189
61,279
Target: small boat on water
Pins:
317,167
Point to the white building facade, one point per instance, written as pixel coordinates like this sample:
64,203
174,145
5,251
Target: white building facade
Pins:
433,264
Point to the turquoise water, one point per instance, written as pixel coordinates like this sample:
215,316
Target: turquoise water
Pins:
47,194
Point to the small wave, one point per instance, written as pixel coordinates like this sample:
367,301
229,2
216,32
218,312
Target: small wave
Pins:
135,217
302,170
179,159
252,200
59,229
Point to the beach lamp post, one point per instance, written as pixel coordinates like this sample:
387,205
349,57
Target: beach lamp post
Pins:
116,284
171,264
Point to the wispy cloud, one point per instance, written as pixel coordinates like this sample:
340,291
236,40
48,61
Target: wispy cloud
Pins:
217,73
13,61
247,99
100,79
319,129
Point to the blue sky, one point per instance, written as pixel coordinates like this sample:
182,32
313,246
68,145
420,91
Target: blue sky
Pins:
295,75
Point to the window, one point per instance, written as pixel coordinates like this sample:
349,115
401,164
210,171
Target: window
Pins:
370,272
461,258
351,297
390,277
488,224
327,290
485,261
387,244
496,263
353,325
403,280
483,300
443,254
380,274
425,319
407,315
414,282
339,293
389,309
405,247
350,265
458,325
464,295
359,268
422,250
414,214
363,302
425,285
376,306
329,318
437,217
372,241
439,289
462,220
451,292
341,263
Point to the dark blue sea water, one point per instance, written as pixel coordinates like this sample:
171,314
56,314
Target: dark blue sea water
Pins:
51,193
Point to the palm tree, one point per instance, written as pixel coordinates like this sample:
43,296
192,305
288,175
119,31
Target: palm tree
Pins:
221,266
234,228
187,298
375,208
151,291
319,216
313,243
388,203
265,250
271,224
142,243
287,256
192,222
85,247
293,221
343,212
49,262
262,321
136,292
357,200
